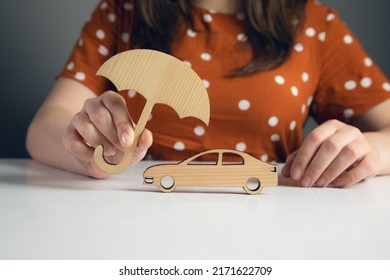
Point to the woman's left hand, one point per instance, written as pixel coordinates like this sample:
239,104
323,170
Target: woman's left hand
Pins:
328,151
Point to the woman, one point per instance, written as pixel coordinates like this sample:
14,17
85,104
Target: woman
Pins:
267,66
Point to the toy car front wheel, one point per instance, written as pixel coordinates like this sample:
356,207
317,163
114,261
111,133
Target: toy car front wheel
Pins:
253,186
167,184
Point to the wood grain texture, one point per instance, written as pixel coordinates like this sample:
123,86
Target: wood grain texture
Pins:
191,172
160,78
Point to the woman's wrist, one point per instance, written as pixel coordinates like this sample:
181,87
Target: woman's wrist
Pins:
379,142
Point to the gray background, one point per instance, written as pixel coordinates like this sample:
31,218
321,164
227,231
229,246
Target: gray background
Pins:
37,37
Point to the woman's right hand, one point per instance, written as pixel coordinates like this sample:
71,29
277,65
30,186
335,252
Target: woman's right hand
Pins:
104,120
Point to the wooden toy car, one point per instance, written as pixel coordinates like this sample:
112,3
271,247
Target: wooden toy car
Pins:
246,171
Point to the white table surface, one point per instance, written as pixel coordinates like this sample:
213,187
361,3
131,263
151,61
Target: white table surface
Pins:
47,213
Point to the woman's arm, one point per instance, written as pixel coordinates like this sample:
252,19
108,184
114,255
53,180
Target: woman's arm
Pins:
361,149
72,121
375,125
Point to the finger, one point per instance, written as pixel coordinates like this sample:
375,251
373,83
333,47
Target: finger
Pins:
146,139
76,146
116,105
348,155
310,146
144,143
327,153
101,119
116,158
287,166
363,170
91,134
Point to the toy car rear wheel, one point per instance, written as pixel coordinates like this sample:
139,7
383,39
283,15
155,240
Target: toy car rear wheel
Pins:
167,184
253,186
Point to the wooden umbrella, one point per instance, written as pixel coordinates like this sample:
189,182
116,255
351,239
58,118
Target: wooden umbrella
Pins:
160,78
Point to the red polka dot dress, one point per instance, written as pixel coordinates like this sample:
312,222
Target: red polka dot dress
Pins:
328,76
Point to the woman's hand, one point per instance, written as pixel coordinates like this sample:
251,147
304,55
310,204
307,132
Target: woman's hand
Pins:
328,151
103,120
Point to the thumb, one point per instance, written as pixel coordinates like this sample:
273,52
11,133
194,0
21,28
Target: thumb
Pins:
126,136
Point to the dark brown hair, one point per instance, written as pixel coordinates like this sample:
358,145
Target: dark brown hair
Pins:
271,26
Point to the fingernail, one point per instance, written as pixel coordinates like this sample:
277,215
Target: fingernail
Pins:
296,173
320,182
125,139
109,152
305,181
338,183
285,173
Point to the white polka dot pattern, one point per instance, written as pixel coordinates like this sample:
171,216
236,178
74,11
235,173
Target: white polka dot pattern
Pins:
241,147
205,56
273,121
128,6
322,36
330,17
187,63
294,91
179,146
348,39
275,137
303,108
125,37
242,37
310,32
70,66
103,50
305,77
100,34
80,76
206,83
348,113
309,100
279,80
111,18
295,22
207,18
103,5
244,105
131,93
264,157
199,130
191,33
368,62
298,47
366,82
350,85
293,125
148,157
386,86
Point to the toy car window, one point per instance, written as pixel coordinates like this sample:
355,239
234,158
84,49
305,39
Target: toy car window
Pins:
232,159
206,159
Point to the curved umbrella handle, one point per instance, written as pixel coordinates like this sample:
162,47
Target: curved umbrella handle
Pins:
110,168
